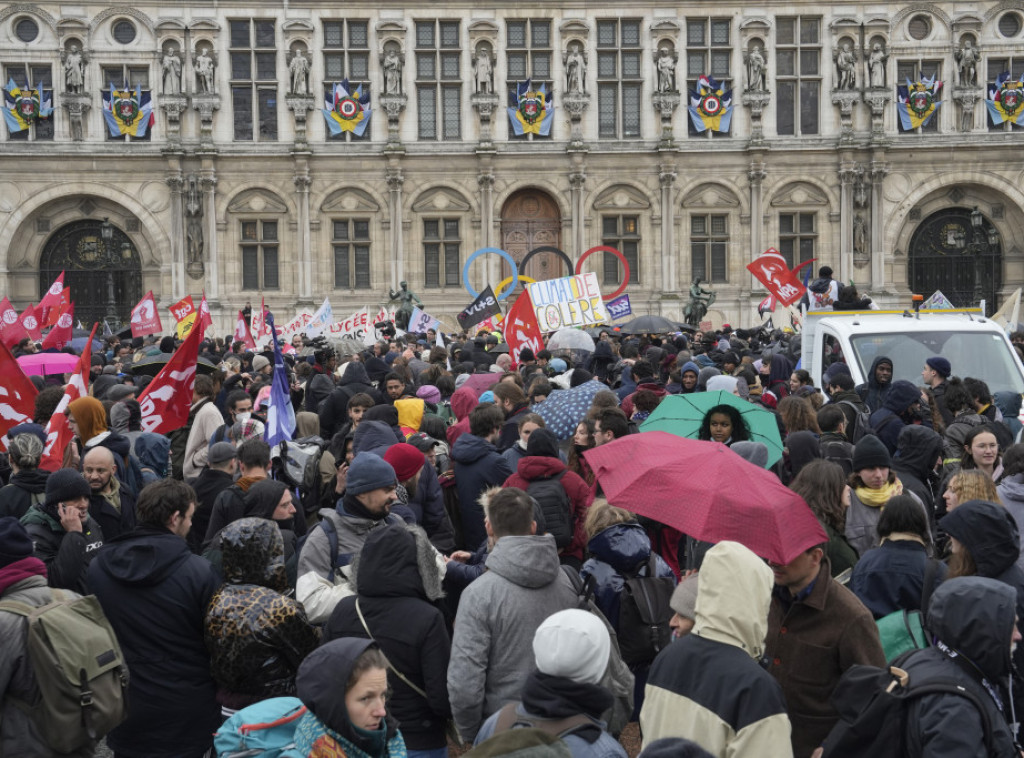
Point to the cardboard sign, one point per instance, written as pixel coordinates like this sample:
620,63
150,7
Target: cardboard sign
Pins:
569,301
619,307
486,304
773,272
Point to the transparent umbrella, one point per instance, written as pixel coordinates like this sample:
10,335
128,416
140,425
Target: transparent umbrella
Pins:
571,339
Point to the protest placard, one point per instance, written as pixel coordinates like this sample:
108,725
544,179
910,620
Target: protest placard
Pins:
569,301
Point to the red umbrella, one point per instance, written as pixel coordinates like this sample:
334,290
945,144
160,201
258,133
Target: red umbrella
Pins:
706,491
480,383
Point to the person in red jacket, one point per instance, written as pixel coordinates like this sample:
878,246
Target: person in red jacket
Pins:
542,462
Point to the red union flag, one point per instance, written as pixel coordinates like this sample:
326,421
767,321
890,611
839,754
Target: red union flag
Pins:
183,309
773,272
242,333
521,329
50,302
167,399
30,322
60,336
58,430
145,317
17,394
11,330
204,313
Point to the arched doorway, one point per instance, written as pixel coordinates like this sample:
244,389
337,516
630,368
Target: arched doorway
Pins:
530,219
946,253
105,277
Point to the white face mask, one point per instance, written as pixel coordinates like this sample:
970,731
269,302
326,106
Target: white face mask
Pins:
243,416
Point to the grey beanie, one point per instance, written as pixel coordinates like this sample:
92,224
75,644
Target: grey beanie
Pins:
369,471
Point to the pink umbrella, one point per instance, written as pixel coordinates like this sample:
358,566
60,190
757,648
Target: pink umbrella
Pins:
48,363
480,383
705,490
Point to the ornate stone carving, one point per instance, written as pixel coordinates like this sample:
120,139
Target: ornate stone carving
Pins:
575,61
757,173
667,176
967,58
666,103
575,103
485,104
665,64
876,66
205,103
173,106
394,178
204,65
175,182
966,97
300,106
756,101
393,106
170,69
194,228
577,179
74,61
757,69
483,71
845,60
298,74
877,99
392,60
846,100
77,105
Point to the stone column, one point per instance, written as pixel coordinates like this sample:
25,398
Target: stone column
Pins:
176,183
208,183
485,180
576,181
849,173
878,173
395,180
302,182
756,175
669,254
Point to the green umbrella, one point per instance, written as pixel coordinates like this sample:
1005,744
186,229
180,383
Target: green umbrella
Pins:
682,415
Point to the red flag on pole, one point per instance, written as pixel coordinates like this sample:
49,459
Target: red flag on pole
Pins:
17,394
204,313
145,317
11,330
773,272
521,328
242,333
60,336
58,430
167,399
30,322
50,302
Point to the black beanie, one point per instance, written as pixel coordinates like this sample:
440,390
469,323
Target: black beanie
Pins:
526,355
870,452
65,484
15,544
542,442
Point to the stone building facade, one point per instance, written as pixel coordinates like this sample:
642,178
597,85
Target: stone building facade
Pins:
241,189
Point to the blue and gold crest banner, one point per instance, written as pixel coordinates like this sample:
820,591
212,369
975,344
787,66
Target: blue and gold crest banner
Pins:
1006,100
23,106
347,110
530,111
127,112
710,106
918,102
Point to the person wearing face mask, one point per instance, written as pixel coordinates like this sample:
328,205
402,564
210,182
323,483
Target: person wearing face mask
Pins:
237,408
528,423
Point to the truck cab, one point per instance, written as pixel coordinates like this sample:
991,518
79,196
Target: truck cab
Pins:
974,345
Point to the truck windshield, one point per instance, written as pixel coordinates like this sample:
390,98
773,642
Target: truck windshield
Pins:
983,356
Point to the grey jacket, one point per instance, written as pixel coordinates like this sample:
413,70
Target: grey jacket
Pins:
18,734
492,648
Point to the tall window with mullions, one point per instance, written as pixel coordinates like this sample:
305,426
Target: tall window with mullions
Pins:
439,80
37,75
253,59
619,78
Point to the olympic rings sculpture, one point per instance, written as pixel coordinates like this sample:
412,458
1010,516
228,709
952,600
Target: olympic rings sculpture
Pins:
516,277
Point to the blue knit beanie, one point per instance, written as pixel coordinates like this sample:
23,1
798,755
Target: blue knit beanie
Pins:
369,471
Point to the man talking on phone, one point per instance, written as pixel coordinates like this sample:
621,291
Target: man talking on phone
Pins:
64,536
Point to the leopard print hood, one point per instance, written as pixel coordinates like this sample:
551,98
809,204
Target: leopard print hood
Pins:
252,551
397,562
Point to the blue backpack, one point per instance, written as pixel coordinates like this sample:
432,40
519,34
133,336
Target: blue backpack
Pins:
262,730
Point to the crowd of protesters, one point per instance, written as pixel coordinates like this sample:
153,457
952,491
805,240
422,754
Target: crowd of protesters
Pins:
426,556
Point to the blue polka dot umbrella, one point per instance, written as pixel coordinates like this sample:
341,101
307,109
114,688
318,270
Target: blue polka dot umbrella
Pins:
564,409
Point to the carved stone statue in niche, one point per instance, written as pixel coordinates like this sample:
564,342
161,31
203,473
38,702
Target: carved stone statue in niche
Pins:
860,235
206,68
665,60
967,58
876,65
392,62
575,60
482,71
756,69
74,69
170,67
846,68
298,71
194,224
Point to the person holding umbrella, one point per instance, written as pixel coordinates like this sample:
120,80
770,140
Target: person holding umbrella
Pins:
723,423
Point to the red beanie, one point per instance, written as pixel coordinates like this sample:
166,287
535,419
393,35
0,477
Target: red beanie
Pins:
405,459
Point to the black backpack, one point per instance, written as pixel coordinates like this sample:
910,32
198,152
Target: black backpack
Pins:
873,704
644,614
861,422
298,465
555,505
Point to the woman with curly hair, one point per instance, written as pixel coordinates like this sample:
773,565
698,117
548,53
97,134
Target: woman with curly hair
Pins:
724,424
582,441
970,484
822,485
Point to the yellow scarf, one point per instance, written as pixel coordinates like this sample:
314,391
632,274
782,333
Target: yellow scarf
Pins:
878,498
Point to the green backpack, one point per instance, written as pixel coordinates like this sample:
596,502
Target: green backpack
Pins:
79,668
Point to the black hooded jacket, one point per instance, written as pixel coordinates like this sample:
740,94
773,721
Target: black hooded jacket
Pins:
871,392
917,450
398,584
334,413
889,420
973,617
155,593
25,488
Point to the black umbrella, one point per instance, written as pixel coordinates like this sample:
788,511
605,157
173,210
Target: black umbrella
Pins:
151,365
649,325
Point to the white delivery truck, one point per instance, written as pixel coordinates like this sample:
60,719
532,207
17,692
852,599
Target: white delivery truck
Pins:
974,345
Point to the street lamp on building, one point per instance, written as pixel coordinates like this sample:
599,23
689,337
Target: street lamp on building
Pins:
982,243
111,261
